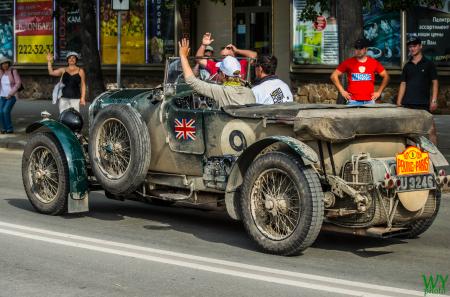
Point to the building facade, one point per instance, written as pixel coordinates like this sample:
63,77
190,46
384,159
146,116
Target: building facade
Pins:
307,51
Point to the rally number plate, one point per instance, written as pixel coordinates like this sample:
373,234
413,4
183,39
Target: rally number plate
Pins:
416,182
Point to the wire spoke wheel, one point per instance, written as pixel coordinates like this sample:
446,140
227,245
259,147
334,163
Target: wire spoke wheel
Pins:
281,203
113,148
275,204
43,174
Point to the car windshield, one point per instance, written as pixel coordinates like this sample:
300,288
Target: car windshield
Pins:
174,71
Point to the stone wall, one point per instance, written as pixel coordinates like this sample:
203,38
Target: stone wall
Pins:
41,86
315,92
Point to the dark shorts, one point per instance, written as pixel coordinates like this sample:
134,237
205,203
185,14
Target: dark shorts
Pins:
422,107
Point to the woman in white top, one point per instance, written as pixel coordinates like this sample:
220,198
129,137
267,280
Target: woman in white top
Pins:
9,86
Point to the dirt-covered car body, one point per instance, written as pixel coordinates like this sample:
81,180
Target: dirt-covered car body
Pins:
285,170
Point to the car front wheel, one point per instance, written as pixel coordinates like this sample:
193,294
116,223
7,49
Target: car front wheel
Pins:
45,174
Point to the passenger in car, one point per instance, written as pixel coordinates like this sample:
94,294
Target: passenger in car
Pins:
229,50
268,88
232,92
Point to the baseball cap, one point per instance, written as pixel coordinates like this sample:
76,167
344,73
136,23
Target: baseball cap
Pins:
413,40
75,54
360,43
209,48
230,66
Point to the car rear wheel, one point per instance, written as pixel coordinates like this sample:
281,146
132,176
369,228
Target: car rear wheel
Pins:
45,174
281,204
119,149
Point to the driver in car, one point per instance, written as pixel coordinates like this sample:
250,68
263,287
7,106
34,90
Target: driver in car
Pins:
231,92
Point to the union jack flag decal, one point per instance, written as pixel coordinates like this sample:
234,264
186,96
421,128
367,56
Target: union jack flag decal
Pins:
185,129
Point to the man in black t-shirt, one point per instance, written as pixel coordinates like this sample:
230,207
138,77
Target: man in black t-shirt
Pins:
418,76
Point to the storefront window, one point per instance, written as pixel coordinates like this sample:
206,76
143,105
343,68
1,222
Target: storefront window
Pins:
133,33
6,29
161,30
382,29
314,42
68,32
34,30
432,25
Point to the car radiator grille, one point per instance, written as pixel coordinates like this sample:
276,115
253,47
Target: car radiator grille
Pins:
364,173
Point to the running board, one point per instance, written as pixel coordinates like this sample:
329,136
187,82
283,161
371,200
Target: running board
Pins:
378,232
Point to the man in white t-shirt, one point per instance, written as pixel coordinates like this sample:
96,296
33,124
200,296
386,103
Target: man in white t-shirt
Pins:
269,89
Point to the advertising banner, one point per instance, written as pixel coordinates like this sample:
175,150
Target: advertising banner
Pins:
68,30
314,42
432,25
6,29
161,30
382,29
34,30
133,33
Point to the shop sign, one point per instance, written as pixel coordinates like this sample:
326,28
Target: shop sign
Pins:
6,29
314,42
69,29
382,29
162,33
34,30
133,33
432,25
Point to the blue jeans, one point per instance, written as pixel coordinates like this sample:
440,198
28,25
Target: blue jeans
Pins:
6,106
357,103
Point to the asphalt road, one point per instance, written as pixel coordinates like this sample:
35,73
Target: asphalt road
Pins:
134,249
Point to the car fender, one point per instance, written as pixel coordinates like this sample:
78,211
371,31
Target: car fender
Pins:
236,177
79,190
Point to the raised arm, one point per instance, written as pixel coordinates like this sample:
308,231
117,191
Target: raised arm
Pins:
184,53
243,52
206,40
51,71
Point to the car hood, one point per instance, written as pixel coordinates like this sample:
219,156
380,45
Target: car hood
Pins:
337,123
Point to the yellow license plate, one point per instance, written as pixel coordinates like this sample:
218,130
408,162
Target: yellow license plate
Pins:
412,161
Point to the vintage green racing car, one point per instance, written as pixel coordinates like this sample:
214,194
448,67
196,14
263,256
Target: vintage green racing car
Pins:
286,171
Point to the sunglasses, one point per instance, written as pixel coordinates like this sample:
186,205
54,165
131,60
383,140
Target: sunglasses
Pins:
359,47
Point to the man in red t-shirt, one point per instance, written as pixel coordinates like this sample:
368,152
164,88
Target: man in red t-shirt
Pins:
361,71
229,50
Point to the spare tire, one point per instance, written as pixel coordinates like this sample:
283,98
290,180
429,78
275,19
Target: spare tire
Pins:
119,149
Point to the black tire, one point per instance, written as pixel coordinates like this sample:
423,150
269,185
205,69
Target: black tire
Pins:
119,149
420,226
46,182
303,187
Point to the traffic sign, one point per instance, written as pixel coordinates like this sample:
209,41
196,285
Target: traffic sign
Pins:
121,5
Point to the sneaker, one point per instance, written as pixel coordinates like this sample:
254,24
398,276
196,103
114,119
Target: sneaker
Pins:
3,132
9,132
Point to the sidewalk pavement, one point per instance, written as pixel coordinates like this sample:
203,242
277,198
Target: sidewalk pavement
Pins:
26,112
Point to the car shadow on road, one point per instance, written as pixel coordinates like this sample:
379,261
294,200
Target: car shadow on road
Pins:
366,247
211,225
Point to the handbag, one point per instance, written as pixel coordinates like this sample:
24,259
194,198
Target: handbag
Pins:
21,88
57,90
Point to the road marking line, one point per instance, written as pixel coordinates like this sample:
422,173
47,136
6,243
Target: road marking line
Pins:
250,274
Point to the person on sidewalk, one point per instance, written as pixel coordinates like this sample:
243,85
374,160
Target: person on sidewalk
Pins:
361,71
268,88
418,75
74,80
9,87
229,50
232,92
